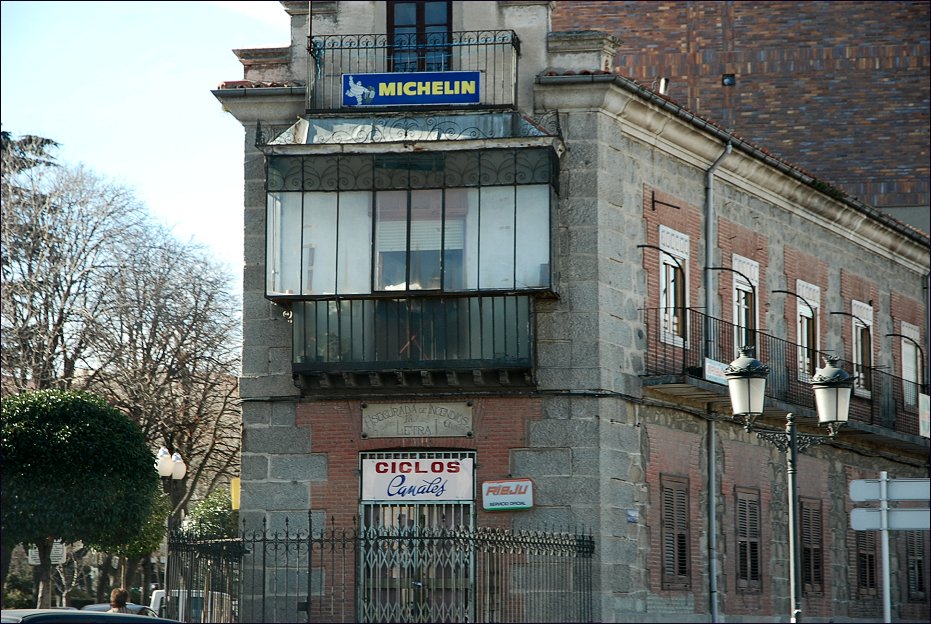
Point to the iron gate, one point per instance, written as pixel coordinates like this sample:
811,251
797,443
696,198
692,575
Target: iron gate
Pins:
412,565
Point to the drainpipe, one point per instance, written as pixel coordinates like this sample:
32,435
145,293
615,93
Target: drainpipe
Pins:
712,433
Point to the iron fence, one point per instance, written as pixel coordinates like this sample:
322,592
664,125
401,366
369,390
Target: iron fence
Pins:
879,398
492,53
348,574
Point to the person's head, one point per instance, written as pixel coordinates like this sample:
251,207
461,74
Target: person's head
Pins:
118,597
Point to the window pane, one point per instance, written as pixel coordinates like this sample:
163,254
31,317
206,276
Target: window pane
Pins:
533,234
283,239
426,238
435,12
405,13
318,244
461,264
496,246
391,240
353,271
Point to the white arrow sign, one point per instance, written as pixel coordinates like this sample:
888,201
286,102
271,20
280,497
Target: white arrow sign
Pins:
896,489
899,519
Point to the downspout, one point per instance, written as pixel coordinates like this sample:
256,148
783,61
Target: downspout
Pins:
712,433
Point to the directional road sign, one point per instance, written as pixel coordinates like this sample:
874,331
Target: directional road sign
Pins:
899,519
896,489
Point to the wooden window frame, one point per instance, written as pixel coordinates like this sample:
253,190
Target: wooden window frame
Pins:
916,565
675,543
747,530
811,530
867,582
422,43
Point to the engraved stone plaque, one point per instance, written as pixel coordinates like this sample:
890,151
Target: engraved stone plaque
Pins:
416,420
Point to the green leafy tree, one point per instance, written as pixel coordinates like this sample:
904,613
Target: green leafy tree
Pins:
74,468
214,516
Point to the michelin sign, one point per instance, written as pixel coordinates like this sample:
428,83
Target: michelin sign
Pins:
415,88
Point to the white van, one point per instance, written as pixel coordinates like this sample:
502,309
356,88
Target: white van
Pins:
218,606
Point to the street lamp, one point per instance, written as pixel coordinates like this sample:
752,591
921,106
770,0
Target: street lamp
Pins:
171,468
746,381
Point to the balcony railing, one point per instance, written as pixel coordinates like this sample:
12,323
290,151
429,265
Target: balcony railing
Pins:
889,402
492,53
431,333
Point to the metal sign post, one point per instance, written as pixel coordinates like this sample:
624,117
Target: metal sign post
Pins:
885,519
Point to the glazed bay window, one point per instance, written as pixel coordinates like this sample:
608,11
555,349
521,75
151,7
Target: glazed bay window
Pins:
410,260
443,222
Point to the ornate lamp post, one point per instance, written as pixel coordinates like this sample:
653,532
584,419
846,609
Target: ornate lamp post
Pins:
746,380
171,468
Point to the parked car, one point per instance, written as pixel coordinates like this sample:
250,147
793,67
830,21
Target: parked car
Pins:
74,616
135,609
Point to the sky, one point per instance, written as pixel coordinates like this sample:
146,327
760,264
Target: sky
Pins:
124,87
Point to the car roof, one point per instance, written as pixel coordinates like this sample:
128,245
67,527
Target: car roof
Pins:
105,606
50,616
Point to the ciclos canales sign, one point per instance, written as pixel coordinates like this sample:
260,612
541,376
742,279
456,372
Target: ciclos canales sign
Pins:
414,88
417,480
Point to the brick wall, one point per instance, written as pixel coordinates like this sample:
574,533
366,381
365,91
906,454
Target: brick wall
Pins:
838,88
500,424
661,208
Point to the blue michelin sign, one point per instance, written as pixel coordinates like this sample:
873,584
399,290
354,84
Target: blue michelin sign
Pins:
415,88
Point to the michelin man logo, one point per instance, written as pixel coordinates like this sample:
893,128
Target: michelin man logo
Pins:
361,93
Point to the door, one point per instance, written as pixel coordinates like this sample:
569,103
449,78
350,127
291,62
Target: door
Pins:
417,515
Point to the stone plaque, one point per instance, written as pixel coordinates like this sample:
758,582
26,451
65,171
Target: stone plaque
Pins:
416,420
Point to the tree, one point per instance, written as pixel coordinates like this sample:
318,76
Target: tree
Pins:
74,468
60,229
214,516
95,296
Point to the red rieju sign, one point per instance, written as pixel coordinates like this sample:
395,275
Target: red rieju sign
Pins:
417,480
507,494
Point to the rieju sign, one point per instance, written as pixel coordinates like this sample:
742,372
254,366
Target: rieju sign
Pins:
417,480
414,88
507,494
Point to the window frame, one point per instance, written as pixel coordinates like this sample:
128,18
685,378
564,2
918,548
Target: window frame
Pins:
916,565
747,531
746,314
862,347
674,285
675,543
811,534
867,581
808,328
333,202
912,366
423,43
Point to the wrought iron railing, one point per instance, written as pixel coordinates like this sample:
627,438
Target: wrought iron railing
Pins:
202,578
492,53
889,402
347,574
424,332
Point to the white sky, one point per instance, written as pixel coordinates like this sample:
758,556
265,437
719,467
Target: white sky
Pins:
125,88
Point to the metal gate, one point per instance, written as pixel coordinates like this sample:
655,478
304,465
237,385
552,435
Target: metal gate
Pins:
415,563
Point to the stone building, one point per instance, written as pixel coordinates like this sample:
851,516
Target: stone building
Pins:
475,252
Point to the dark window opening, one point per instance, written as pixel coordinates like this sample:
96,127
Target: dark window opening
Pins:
419,33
